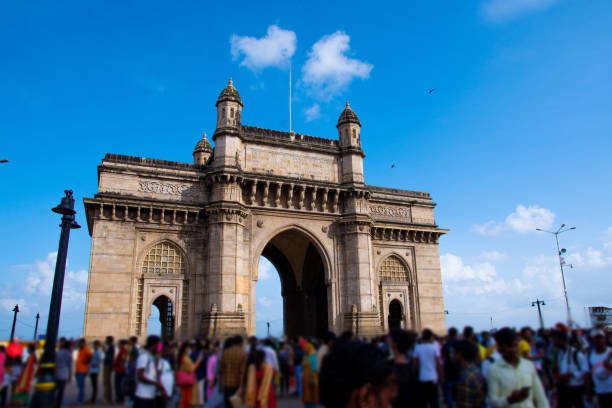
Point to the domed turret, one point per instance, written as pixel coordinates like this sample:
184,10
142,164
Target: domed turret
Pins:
229,107
349,128
202,151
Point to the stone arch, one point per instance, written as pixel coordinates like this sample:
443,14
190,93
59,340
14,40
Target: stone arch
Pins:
167,315
395,318
303,264
404,290
151,283
393,256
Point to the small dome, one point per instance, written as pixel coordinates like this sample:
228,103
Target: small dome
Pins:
229,94
203,145
348,116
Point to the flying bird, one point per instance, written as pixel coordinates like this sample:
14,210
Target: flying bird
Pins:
393,166
4,161
431,90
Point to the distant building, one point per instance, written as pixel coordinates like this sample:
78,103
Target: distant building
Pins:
601,316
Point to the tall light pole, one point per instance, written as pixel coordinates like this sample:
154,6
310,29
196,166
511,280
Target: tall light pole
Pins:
560,252
44,395
36,327
15,311
539,303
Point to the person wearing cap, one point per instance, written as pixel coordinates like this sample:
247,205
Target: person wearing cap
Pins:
600,363
571,367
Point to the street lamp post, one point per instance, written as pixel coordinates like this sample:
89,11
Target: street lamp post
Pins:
36,326
44,395
15,311
560,252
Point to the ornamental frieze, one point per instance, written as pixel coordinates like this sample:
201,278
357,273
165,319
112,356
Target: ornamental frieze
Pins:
182,190
393,212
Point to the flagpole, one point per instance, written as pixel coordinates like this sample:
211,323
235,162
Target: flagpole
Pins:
290,97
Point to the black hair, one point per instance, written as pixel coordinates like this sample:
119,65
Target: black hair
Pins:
229,342
348,367
328,336
506,336
427,334
452,332
109,339
238,340
134,339
467,349
558,334
152,340
260,357
404,340
468,332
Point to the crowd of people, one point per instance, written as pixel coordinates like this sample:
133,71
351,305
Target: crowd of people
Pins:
504,368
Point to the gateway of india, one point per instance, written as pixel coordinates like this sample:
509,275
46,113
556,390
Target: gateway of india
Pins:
187,238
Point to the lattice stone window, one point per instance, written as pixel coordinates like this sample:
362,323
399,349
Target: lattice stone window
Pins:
164,258
392,269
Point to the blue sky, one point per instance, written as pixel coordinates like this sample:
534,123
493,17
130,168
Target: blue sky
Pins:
515,135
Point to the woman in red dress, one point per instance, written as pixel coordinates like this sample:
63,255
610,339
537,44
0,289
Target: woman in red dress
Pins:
260,388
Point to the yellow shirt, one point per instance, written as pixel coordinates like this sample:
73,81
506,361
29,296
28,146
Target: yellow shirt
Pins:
524,349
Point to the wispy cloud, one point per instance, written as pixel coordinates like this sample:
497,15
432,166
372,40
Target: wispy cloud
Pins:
265,301
273,50
493,256
312,113
523,220
502,10
328,71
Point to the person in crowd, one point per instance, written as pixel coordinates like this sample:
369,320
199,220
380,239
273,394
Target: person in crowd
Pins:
94,369
470,386
329,339
357,375
285,371
451,368
232,369
310,377
21,389
109,358
165,375
2,363
267,345
512,380
119,369
6,378
147,378
63,369
427,359
259,387
600,363
524,345
81,370
470,334
197,353
401,342
298,357
129,384
211,370
572,369
189,391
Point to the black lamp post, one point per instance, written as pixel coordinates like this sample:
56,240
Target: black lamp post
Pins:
36,327
44,395
15,311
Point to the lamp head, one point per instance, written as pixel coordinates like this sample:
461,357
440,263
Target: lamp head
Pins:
16,308
66,206
75,225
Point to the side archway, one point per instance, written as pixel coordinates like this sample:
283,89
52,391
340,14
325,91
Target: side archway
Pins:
397,291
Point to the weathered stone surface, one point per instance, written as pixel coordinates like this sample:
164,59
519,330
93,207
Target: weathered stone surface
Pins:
190,236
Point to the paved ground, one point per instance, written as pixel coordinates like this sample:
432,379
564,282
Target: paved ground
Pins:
71,394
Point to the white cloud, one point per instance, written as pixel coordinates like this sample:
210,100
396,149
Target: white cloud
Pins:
454,270
608,239
493,256
265,301
501,10
523,220
273,50
328,71
312,113
266,269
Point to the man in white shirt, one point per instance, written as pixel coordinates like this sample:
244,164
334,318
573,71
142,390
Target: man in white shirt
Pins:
572,367
600,363
512,380
147,381
427,360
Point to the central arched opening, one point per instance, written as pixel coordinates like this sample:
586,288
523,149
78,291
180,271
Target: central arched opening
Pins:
302,276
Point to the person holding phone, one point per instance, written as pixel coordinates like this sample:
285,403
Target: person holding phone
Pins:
513,380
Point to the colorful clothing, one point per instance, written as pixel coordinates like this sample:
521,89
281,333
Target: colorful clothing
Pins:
260,390
190,395
310,377
470,389
83,360
211,369
233,367
21,390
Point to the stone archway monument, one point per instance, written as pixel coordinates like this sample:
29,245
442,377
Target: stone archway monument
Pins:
344,250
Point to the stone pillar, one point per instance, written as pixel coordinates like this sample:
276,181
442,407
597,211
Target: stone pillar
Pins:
227,291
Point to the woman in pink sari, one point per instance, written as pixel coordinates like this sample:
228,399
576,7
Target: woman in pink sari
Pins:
211,370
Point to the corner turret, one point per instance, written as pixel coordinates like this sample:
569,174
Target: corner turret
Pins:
349,135
229,107
202,151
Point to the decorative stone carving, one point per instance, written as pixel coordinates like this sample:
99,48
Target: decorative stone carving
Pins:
260,223
385,211
324,228
166,189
